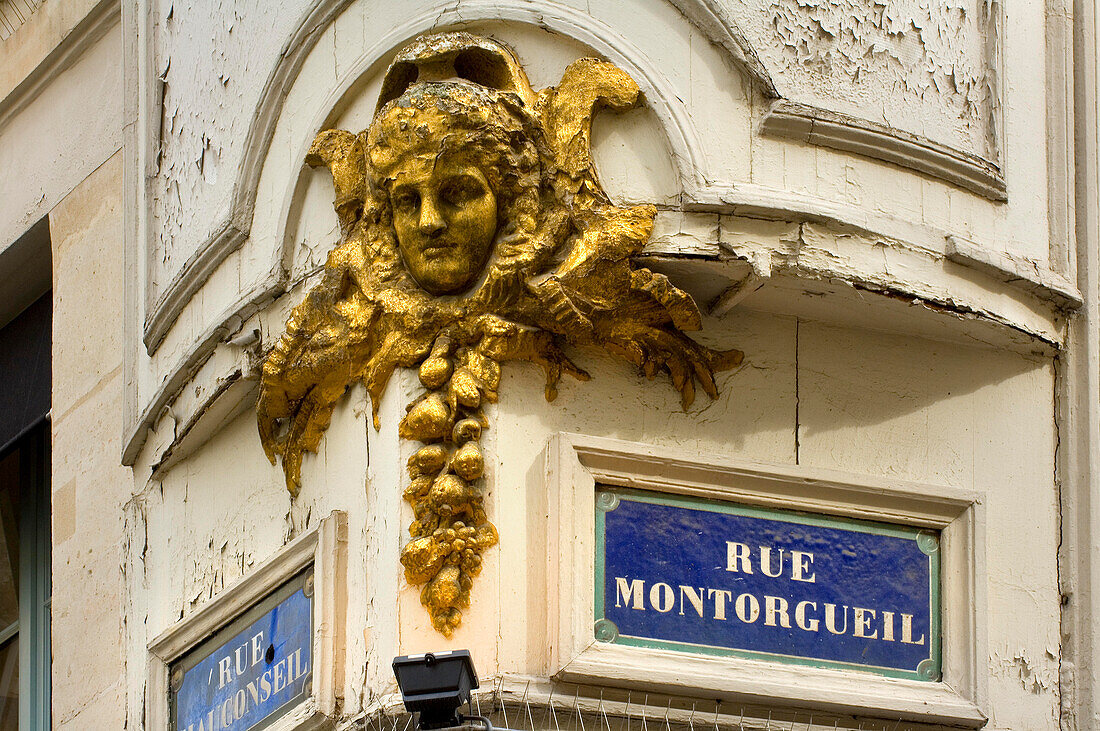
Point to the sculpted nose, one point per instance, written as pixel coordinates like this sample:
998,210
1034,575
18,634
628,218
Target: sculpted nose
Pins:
431,222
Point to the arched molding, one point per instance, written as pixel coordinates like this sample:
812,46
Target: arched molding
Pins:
231,235
715,24
660,96
721,28
825,128
162,314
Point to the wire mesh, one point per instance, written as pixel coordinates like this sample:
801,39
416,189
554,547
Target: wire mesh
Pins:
541,706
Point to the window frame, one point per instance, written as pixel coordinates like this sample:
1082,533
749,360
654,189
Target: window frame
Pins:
325,549
35,579
32,628
575,464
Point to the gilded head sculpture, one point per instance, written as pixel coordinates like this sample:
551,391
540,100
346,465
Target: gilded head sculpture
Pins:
458,168
474,232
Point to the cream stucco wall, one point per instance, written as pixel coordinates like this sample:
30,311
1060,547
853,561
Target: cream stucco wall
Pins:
816,395
959,394
873,347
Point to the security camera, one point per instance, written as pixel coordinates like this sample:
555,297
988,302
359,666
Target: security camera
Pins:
435,684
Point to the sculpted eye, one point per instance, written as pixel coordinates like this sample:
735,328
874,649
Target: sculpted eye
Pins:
461,190
406,200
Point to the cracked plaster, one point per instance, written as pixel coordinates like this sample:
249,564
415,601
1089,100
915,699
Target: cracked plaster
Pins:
921,66
212,59
917,65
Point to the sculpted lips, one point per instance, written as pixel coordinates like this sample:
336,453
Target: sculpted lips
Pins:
437,249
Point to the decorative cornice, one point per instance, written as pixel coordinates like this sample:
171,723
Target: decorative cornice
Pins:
185,369
826,128
785,119
1017,271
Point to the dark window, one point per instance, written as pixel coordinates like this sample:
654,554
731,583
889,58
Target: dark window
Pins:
25,519
25,583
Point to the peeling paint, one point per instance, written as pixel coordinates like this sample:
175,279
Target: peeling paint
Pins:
826,396
1035,676
922,65
885,265
213,58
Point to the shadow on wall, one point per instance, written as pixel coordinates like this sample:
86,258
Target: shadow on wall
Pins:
919,409
819,395
754,414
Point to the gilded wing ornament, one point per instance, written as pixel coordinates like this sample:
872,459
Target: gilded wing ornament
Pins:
474,231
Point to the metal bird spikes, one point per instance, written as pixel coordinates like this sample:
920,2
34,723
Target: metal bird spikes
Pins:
474,231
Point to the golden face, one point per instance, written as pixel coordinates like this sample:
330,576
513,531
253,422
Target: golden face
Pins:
445,217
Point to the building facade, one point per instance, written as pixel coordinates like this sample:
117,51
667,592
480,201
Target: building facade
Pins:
744,375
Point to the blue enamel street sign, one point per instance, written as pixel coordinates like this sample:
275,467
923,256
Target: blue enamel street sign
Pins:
718,578
253,671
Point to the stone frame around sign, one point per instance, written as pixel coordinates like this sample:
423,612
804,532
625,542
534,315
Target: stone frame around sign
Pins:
576,463
325,549
289,598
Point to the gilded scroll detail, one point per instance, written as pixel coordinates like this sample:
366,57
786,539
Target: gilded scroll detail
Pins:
474,232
